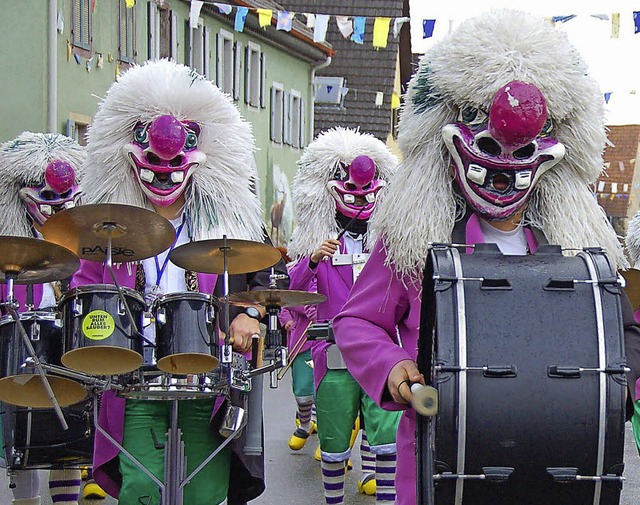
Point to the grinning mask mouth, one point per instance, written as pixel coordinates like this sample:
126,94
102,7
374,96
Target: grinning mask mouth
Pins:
58,192
355,187
497,158
164,154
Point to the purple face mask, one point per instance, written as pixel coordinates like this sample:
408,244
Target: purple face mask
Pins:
164,155
58,192
497,159
355,187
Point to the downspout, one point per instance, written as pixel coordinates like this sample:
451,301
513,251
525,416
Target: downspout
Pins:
312,94
52,82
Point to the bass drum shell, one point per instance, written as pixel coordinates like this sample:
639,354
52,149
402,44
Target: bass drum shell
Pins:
99,338
519,317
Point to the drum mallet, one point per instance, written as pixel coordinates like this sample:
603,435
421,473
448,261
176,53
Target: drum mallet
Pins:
424,399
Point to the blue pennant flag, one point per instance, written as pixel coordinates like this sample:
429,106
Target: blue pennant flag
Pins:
607,97
359,23
241,17
427,28
562,19
636,21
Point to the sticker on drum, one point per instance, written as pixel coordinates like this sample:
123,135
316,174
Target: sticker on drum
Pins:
20,383
98,335
186,333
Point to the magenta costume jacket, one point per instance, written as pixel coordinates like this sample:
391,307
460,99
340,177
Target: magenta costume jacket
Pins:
335,283
247,480
301,321
20,294
380,302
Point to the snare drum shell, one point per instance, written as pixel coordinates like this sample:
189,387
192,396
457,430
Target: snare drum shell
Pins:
186,323
112,328
534,420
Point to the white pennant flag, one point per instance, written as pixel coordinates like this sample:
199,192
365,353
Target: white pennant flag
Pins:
379,98
311,19
194,13
397,26
320,29
345,25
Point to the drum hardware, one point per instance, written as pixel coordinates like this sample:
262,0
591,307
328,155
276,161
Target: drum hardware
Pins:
574,372
570,474
487,371
295,351
489,473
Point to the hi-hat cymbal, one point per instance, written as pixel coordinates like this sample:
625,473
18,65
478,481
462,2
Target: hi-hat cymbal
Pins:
136,233
632,289
207,256
276,298
34,261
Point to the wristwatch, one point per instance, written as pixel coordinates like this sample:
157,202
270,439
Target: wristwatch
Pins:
253,312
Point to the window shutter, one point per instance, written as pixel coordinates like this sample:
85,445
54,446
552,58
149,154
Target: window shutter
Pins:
263,80
286,121
237,66
273,113
303,122
206,52
189,44
247,74
150,31
219,56
174,36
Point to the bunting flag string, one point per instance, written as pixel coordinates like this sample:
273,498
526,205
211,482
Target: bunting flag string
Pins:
353,27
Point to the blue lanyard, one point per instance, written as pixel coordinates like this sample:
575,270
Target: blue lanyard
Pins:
160,271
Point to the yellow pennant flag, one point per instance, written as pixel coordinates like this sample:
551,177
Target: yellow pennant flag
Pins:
264,17
381,32
615,25
395,101
130,3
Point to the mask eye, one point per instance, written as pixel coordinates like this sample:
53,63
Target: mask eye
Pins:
471,116
547,128
140,134
48,195
340,173
191,140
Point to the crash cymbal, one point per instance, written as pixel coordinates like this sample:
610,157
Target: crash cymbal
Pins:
207,256
34,261
632,289
276,297
137,233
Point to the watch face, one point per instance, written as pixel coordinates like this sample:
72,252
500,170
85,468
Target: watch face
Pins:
253,312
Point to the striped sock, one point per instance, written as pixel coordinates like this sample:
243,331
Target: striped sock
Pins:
304,412
314,415
368,459
64,486
333,482
385,478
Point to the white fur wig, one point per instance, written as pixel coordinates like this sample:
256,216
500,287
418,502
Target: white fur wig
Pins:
23,162
467,68
314,207
220,199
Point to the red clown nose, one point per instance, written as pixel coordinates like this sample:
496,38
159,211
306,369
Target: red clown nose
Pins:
362,170
59,176
517,115
166,137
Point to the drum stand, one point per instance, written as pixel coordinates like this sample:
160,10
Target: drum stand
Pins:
12,306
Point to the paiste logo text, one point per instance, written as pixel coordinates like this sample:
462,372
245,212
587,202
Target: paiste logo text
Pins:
101,251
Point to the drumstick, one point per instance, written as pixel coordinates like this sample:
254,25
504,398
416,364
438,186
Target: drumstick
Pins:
424,399
353,219
294,352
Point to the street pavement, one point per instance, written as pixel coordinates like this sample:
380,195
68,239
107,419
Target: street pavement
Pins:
293,478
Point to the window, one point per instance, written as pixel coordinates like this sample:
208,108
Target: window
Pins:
81,33
225,66
153,30
173,36
255,76
77,127
277,112
199,47
126,33
295,119
168,36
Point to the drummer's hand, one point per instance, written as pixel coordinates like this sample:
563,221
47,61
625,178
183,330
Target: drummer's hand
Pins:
288,325
400,378
242,329
326,250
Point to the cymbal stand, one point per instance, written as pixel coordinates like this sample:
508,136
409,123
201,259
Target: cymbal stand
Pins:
12,306
109,228
227,353
175,462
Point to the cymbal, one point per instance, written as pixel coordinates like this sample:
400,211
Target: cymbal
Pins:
34,261
207,256
276,297
137,233
632,289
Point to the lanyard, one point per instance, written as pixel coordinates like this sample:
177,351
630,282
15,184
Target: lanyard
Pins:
160,271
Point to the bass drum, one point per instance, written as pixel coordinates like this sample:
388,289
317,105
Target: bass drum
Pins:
527,355
33,438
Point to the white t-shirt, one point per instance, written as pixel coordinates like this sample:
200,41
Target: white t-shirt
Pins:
512,242
353,243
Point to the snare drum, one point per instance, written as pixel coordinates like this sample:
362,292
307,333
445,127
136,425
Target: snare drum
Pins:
20,383
98,336
526,353
34,438
186,333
